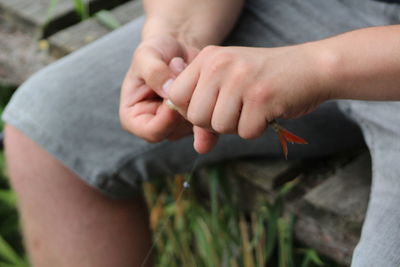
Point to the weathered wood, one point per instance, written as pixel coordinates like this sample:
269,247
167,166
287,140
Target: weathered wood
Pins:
88,31
330,216
20,57
265,174
32,16
345,193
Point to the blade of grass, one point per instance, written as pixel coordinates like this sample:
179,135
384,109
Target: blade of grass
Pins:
288,186
105,18
214,198
205,245
8,198
272,231
311,257
285,242
246,248
8,254
81,8
50,10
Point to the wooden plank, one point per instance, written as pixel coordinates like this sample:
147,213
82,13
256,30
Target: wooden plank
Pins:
20,57
346,192
330,216
79,35
32,16
265,174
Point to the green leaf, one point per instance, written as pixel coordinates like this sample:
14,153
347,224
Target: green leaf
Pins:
311,256
81,9
50,10
8,254
105,18
214,198
285,229
4,264
288,186
272,231
8,198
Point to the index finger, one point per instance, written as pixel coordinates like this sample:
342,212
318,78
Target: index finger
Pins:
181,90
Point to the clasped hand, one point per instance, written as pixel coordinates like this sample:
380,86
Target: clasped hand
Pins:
222,90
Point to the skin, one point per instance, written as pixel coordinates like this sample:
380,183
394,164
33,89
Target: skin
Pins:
173,29
237,90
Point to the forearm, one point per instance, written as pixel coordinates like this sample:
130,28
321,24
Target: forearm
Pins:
362,64
196,22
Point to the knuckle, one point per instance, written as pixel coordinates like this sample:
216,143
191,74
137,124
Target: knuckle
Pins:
197,119
221,61
222,128
279,110
154,137
260,94
210,49
193,117
247,134
178,101
241,71
152,73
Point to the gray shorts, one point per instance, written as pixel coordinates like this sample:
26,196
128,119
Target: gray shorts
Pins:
70,108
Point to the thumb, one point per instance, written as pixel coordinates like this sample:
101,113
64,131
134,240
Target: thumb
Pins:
156,73
177,65
204,141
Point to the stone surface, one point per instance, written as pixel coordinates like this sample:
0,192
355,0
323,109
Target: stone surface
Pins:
86,32
33,16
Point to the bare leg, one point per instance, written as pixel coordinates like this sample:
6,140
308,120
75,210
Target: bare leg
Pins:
67,223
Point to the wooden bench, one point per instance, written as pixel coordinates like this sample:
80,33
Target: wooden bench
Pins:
331,198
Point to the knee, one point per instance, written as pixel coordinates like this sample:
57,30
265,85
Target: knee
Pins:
21,153
14,140
16,144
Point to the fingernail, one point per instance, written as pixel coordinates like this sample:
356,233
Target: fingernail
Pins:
180,65
171,105
167,84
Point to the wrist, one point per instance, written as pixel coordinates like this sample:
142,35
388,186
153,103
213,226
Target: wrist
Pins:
326,66
181,31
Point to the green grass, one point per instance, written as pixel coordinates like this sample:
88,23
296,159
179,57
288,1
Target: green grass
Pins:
193,231
81,8
11,249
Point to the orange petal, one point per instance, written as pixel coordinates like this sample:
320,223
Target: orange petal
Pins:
282,140
290,137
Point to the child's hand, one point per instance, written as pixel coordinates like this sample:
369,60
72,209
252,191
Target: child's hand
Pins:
142,106
238,90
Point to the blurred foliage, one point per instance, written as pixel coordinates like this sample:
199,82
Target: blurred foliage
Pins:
81,7
11,248
193,231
